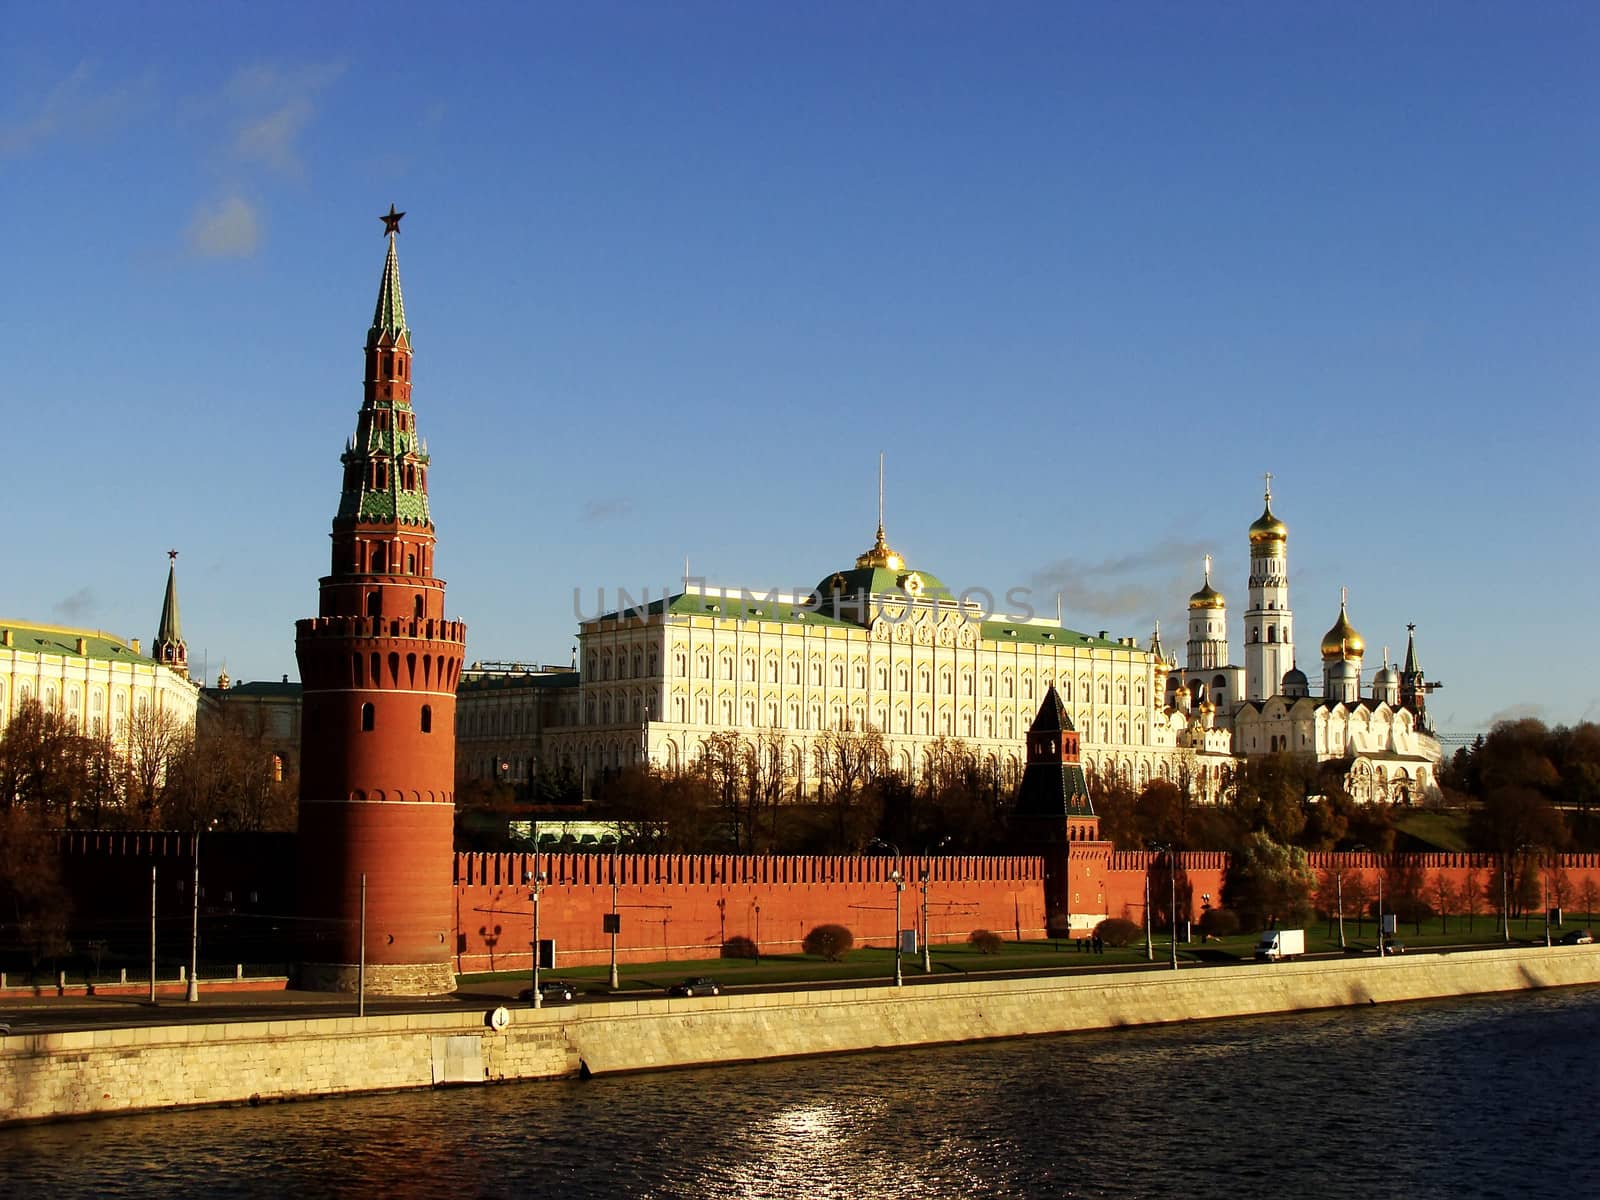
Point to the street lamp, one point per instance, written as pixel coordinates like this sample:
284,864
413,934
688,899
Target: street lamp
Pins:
927,948
1380,915
1338,887
1172,879
535,880
899,886
616,921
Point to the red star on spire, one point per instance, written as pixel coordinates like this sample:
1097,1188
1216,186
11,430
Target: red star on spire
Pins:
391,220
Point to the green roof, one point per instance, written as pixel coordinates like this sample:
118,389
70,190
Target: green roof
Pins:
29,638
264,689
731,607
1049,635
878,580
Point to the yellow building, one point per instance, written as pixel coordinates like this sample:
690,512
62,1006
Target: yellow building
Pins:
99,682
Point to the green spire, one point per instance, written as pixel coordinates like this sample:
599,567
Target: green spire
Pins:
169,646
389,319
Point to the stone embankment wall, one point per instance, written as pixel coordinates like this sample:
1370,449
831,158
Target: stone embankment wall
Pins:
47,1076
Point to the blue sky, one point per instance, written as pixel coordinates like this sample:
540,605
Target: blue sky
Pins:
677,273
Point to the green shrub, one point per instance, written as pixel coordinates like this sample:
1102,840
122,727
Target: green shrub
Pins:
1219,922
739,947
985,941
831,942
1116,931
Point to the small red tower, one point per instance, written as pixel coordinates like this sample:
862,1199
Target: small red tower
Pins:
379,665
1055,819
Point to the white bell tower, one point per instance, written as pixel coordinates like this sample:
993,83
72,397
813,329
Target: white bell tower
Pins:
1268,622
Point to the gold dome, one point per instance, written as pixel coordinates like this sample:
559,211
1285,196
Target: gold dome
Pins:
881,556
1267,528
1342,641
1207,596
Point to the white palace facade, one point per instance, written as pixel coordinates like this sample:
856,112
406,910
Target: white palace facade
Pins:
886,647
881,646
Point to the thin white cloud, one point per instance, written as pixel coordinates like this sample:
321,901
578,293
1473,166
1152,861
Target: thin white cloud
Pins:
74,106
231,228
276,105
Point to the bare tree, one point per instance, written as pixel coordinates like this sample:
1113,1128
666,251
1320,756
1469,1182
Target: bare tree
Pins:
848,761
1588,896
1446,897
767,784
157,738
1471,895
723,765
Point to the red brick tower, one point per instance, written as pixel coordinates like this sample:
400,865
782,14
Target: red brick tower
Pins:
1055,818
379,665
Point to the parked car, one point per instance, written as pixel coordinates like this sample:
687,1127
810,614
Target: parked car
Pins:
551,990
1393,945
1577,937
698,985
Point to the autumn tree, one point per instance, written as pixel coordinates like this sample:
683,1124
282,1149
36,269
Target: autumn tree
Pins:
1269,796
1268,881
1357,897
34,905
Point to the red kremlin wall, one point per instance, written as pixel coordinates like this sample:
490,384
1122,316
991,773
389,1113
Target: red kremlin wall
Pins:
688,906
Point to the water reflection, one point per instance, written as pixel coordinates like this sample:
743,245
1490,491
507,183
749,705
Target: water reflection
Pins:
1483,1097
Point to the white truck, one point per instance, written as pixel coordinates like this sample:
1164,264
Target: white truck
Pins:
1278,944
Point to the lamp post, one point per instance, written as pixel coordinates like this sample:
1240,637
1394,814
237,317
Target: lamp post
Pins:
1149,936
1544,901
1338,887
899,886
1505,897
194,929
535,880
616,921
1172,880
1380,914
927,948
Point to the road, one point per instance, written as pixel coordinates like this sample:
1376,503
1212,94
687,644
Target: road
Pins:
61,1014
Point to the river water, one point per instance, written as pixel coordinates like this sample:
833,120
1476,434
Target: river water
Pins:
1494,1096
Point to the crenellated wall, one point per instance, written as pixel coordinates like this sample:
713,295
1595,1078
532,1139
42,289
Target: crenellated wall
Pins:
679,907
689,906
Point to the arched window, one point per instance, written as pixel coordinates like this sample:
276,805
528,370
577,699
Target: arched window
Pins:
366,718
427,718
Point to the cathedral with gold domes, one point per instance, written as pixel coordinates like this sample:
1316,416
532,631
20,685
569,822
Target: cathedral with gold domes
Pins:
1267,705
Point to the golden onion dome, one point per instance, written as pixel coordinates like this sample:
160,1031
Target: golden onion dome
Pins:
1342,641
1266,527
881,556
1207,597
